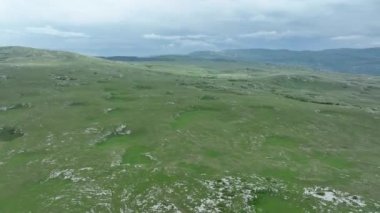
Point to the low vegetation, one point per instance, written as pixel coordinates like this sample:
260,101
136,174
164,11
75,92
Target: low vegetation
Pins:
83,134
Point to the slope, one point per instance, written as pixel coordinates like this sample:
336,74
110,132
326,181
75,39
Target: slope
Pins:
90,135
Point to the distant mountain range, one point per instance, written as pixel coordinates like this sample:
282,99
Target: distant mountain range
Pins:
359,61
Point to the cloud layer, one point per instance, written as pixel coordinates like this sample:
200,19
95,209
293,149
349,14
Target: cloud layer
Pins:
50,31
149,27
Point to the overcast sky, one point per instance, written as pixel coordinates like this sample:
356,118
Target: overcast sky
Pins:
152,27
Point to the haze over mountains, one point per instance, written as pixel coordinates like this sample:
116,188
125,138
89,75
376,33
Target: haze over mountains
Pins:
359,61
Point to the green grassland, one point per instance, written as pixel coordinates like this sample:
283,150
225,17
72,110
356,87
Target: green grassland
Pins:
81,134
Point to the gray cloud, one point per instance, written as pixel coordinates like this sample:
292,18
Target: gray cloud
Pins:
149,27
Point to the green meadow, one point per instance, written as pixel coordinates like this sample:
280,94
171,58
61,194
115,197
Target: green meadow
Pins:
83,134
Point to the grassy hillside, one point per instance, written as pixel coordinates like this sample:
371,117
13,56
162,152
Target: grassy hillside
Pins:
31,55
81,134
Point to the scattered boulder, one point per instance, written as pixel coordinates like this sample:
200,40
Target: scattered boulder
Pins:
64,78
8,133
15,106
108,110
91,130
122,130
328,196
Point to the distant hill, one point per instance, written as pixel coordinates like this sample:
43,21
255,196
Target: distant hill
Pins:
358,61
133,58
14,54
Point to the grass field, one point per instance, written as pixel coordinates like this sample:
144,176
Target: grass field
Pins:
81,134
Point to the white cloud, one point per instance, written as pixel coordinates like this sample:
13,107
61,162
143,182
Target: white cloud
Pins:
154,36
347,37
51,31
273,34
262,34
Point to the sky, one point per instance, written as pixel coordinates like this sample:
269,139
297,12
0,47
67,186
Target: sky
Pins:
156,27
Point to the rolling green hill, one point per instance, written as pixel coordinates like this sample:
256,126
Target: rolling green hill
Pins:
83,134
32,55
